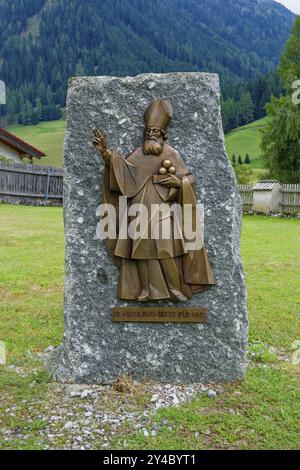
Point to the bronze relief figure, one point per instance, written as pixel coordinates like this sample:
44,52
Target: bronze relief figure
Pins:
154,268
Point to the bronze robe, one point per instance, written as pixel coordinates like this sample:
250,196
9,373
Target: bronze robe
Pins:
134,177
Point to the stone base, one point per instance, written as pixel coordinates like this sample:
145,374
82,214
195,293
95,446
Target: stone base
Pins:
96,350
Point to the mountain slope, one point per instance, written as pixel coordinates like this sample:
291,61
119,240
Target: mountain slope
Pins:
44,42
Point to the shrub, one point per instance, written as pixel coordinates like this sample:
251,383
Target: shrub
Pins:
244,174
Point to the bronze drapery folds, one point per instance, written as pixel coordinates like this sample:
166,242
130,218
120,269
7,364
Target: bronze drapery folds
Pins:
154,268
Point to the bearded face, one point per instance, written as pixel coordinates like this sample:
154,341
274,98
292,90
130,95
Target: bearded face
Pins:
153,141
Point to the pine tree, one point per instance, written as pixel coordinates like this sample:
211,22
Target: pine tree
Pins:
11,107
246,108
233,159
240,160
28,113
22,113
38,109
247,159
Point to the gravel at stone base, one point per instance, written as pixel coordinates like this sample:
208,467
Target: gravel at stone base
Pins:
90,416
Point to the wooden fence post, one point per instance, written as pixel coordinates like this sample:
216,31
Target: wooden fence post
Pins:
47,184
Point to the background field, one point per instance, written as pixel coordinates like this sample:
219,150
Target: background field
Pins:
266,407
49,137
46,136
247,139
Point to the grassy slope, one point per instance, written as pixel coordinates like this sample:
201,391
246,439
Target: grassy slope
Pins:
247,139
265,407
48,136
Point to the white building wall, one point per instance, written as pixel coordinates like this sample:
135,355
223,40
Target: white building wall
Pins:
267,201
9,153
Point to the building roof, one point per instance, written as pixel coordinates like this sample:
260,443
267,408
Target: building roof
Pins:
267,185
19,145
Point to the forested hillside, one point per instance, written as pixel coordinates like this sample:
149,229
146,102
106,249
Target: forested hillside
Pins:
246,102
44,42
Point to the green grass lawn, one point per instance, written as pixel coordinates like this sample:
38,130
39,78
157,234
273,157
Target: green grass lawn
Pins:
261,412
49,137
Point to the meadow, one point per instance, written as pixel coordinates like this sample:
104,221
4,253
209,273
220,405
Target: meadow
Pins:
46,136
262,412
247,139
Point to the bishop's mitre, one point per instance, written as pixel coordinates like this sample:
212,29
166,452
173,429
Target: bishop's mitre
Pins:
158,114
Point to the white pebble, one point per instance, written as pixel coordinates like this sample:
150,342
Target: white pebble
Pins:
175,400
86,393
69,425
154,398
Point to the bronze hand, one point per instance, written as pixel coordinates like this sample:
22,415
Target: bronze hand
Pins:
100,141
171,181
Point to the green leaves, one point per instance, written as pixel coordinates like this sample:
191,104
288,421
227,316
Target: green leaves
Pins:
289,69
261,353
281,139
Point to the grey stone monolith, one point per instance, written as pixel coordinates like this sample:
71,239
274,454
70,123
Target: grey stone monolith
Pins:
94,349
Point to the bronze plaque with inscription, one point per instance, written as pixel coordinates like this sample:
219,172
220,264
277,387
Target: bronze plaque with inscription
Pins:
159,314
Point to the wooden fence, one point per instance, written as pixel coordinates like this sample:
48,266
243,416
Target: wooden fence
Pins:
35,184
246,193
291,198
